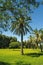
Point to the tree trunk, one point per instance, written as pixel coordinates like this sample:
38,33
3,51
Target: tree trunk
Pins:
37,44
21,44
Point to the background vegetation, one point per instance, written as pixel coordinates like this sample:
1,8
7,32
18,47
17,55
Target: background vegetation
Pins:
34,41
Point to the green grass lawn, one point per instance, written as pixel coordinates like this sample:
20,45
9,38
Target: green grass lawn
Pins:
14,57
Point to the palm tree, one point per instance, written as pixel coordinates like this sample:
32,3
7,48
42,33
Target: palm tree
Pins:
41,33
21,27
41,36
37,34
29,42
32,40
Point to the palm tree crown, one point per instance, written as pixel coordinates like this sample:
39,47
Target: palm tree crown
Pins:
21,25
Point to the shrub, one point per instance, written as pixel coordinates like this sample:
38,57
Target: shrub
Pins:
14,45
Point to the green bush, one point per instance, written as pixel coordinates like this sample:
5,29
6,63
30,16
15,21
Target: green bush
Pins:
14,45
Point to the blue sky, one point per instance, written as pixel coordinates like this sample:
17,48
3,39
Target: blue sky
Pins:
37,22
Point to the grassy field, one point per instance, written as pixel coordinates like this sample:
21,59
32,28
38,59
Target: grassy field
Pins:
14,57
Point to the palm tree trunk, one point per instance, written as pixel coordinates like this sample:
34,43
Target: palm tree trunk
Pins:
37,44
21,44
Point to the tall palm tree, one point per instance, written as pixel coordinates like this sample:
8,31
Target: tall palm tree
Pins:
21,27
37,34
41,36
32,40
41,33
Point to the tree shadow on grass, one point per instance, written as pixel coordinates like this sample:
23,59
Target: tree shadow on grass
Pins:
22,63
35,54
4,63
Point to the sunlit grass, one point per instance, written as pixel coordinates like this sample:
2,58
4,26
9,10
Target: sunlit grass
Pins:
14,57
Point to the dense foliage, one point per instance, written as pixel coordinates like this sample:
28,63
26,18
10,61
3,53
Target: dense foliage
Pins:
5,41
14,45
10,10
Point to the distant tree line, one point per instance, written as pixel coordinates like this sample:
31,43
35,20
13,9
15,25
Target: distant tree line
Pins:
34,41
6,40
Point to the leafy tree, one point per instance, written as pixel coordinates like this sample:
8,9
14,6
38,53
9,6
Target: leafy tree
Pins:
5,41
14,45
11,7
13,39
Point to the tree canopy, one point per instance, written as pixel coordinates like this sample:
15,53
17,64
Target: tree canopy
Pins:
11,10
